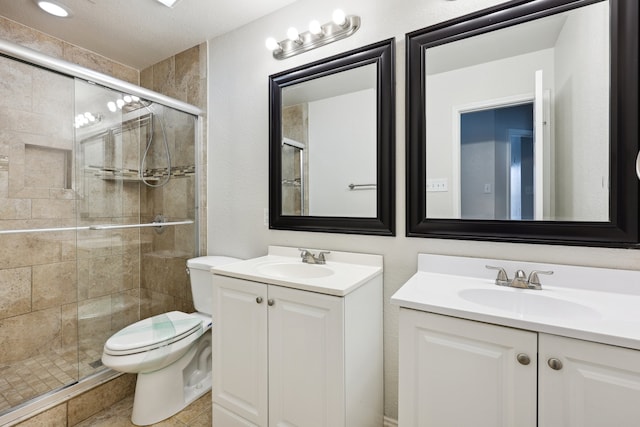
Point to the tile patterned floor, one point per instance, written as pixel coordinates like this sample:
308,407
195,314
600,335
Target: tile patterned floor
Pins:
198,414
29,378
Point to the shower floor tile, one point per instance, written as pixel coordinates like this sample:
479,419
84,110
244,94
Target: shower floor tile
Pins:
30,378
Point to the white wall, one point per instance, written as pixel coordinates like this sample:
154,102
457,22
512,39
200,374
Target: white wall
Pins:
238,171
583,193
342,151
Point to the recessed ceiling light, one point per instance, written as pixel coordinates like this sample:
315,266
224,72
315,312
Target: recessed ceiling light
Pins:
169,3
54,8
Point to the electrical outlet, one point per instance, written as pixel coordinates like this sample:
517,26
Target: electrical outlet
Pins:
437,185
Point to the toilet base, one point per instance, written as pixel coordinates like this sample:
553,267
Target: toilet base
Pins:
163,393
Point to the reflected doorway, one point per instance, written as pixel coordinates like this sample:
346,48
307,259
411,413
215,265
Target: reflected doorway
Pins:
497,170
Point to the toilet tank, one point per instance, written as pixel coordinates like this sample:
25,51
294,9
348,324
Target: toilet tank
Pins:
200,278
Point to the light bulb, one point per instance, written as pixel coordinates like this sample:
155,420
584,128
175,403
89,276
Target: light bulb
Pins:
112,106
315,28
135,98
338,17
127,99
272,44
292,34
54,9
120,103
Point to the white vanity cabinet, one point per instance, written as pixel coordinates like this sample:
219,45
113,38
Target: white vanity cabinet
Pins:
456,372
284,356
587,384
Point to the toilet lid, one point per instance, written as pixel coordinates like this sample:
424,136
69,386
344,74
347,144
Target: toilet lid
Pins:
153,332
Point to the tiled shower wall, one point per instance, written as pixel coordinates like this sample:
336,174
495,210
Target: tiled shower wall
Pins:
165,286
40,295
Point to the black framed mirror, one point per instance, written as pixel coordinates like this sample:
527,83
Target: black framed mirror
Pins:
563,173
331,144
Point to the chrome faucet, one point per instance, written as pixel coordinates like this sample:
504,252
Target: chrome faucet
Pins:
520,280
308,257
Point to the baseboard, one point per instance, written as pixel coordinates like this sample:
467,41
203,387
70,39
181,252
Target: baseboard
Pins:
390,422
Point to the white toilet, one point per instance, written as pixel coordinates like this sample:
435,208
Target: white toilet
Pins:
170,352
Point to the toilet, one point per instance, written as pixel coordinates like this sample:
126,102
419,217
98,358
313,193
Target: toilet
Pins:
170,352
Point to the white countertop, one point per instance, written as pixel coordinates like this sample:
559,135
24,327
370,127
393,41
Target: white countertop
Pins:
571,305
349,270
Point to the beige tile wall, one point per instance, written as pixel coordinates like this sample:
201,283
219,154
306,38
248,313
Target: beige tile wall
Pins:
165,285
28,37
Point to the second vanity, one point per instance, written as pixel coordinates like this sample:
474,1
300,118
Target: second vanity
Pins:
297,343
474,353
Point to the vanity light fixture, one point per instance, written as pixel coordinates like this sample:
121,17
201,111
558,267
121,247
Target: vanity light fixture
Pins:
133,102
86,119
340,27
54,8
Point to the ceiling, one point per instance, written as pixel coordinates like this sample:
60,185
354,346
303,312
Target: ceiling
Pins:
508,42
140,33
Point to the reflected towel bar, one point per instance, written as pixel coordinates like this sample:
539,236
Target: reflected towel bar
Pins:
359,186
96,227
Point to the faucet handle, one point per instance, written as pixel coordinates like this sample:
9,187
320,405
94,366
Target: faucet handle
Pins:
534,280
502,279
303,252
321,255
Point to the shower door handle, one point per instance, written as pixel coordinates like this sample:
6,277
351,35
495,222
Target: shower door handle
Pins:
149,224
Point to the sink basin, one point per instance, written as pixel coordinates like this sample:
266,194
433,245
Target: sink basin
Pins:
295,270
527,303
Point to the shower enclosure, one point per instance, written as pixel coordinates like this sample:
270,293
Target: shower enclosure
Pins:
293,177
87,174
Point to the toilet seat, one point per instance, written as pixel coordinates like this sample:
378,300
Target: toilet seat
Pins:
154,332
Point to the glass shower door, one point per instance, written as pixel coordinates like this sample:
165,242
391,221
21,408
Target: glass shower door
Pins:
38,351
135,166
108,137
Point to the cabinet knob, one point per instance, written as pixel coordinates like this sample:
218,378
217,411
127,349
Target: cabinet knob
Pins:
259,300
271,302
554,364
523,359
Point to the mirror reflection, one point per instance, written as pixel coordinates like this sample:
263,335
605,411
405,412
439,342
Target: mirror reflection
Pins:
329,145
517,121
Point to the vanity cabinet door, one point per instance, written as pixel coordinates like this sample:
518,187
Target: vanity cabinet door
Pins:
456,372
240,350
585,384
306,359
